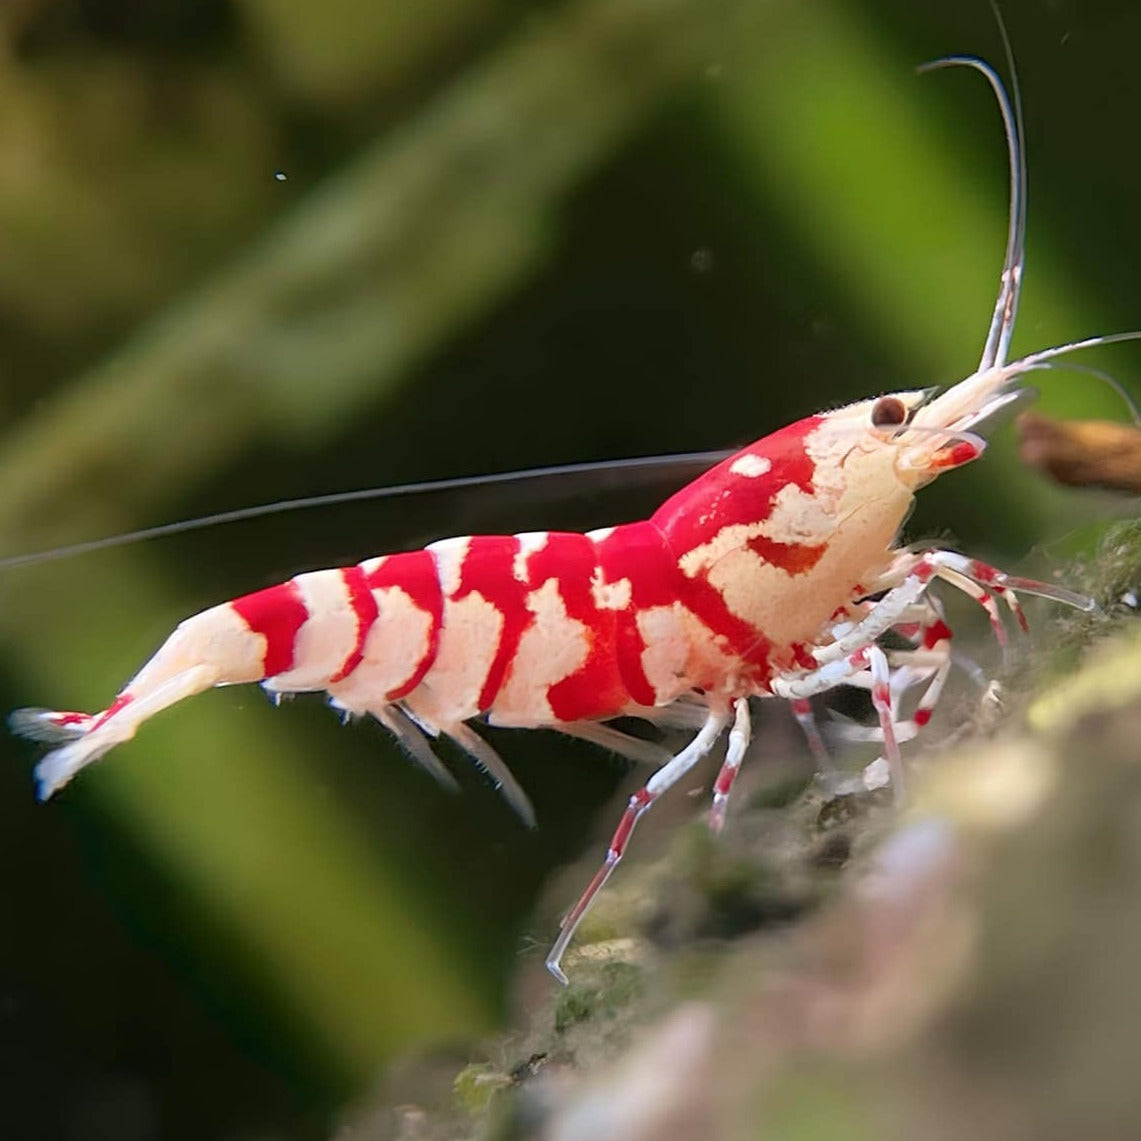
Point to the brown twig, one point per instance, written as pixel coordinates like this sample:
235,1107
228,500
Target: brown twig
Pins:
1083,453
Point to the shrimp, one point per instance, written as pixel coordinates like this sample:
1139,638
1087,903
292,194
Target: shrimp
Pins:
776,573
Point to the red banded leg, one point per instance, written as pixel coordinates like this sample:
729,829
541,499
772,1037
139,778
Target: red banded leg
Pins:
895,605
910,668
666,776
793,687
920,621
984,583
984,597
882,704
874,671
901,600
979,580
869,660
927,663
1006,585
739,737
802,711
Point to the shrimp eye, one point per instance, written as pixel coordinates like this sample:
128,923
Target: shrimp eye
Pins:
889,412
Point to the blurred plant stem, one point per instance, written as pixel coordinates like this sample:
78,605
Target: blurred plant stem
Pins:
315,59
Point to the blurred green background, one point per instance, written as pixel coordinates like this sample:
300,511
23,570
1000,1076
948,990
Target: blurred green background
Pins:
251,249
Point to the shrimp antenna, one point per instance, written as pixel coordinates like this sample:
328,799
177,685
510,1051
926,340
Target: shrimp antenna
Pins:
997,346
626,473
1099,374
1034,360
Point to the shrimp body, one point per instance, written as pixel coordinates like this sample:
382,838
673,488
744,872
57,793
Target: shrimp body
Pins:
723,590
775,573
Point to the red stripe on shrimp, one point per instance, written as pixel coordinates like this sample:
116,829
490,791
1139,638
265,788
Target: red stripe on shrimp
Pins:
596,688
413,572
637,573
277,614
638,554
489,570
738,636
363,604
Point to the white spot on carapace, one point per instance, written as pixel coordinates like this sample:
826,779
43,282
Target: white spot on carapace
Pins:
326,637
610,595
600,535
393,650
469,639
552,648
370,566
449,555
751,465
529,543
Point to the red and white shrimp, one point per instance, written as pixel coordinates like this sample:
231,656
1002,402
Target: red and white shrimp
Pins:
775,574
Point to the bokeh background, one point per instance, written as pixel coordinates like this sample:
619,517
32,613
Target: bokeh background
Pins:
253,249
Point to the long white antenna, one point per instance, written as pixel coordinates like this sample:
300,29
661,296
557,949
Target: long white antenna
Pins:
997,347
628,472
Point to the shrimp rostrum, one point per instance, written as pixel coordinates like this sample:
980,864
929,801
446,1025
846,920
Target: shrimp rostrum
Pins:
775,574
